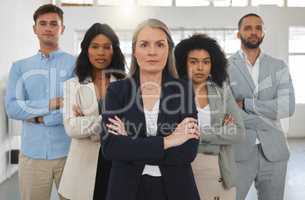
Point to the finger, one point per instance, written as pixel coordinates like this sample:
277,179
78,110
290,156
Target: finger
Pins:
112,132
113,127
114,121
118,119
189,120
119,126
192,136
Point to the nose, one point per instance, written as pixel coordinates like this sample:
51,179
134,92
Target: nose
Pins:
101,51
151,51
200,66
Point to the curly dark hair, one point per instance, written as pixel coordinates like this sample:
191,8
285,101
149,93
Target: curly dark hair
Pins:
202,42
84,68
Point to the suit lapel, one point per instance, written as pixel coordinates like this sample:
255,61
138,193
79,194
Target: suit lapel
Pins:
240,64
264,78
214,102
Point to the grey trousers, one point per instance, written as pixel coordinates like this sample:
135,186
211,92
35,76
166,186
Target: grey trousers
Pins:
269,177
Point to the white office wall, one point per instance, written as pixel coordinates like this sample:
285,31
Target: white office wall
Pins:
16,36
16,41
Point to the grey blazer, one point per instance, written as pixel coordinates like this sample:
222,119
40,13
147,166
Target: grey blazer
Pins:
220,138
263,109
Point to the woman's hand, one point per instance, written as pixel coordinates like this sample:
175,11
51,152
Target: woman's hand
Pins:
229,119
116,126
186,130
77,111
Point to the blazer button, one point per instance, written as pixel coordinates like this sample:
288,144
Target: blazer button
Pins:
220,180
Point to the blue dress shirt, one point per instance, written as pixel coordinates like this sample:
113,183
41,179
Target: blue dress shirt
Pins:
32,83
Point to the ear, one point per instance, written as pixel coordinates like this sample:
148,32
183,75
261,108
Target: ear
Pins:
63,29
238,35
34,28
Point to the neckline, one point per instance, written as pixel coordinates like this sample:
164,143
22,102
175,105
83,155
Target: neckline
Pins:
154,108
204,108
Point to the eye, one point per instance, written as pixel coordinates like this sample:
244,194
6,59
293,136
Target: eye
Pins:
143,44
206,62
107,47
193,62
247,28
94,46
54,24
42,23
161,45
259,28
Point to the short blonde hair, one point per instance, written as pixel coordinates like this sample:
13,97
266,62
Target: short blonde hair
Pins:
154,23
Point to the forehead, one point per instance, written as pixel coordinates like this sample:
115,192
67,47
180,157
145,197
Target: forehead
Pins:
101,39
49,17
198,53
151,34
251,20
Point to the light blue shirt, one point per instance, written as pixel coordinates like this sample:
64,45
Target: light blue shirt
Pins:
32,83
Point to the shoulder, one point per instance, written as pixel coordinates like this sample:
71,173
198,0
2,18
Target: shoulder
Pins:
72,81
25,61
121,86
234,57
21,65
178,85
67,56
276,62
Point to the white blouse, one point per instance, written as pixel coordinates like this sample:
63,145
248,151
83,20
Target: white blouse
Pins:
151,119
204,118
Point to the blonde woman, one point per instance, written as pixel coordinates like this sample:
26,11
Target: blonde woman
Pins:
151,132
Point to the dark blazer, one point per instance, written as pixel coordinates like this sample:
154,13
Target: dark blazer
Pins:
130,153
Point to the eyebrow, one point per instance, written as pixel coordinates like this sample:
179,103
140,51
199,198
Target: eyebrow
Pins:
206,58
106,43
154,41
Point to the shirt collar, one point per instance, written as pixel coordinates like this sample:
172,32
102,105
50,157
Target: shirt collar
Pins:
243,55
51,55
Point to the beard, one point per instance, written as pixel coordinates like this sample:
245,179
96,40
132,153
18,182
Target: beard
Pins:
251,45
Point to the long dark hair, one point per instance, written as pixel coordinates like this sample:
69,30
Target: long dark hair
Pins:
84,68
218,72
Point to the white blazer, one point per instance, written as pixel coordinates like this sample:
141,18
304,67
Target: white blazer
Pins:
78,178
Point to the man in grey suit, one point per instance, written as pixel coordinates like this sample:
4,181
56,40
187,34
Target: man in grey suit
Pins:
263,90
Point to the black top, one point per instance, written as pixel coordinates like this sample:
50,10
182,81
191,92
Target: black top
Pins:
129,154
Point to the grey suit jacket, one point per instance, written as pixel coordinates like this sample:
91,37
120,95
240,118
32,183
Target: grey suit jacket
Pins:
263,109
220,138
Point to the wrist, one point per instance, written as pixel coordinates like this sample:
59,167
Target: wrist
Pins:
39,120
166,142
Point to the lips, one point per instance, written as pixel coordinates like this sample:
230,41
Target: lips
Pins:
48,35
200,75
101,61
152,61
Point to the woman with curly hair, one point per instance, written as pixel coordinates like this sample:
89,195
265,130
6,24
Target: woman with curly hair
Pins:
201,60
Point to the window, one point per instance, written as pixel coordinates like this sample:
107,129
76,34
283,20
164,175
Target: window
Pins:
192,3
268,2
226,38
226,3
77,2
115,2
296,3
297,60
155,2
